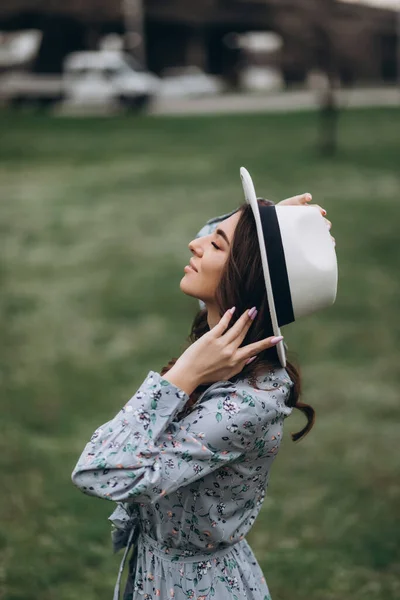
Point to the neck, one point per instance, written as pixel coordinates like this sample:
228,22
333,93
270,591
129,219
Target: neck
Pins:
213,316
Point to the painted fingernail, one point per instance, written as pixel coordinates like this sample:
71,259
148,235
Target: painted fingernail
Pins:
324,211
250,360
250,312
276,340
253,313
232,310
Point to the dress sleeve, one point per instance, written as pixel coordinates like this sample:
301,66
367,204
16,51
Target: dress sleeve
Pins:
145,453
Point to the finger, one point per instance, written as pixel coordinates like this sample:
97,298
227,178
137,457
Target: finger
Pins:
252,349
296,200
223,323
238,331
328,223
250,360
241,336
322,210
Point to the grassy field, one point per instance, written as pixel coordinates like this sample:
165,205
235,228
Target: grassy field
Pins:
95,220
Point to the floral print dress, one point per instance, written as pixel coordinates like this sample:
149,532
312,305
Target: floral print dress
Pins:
188,490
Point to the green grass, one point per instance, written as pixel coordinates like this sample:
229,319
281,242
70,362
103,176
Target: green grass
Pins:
95,220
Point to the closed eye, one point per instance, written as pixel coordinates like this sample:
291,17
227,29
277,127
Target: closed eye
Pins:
215,246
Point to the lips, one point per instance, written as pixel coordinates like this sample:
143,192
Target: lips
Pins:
192,265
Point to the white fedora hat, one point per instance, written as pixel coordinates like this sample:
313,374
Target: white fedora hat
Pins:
298,260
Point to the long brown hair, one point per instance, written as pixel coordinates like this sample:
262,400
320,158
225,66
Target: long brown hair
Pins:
242,285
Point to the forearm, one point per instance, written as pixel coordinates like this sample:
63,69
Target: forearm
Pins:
118,461
182,378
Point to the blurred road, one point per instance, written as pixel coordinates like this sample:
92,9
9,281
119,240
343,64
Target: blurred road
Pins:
273,102
243,103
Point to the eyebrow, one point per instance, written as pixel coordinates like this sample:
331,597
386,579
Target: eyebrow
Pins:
223,234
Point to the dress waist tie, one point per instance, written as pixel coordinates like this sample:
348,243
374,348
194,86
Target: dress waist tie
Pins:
133,534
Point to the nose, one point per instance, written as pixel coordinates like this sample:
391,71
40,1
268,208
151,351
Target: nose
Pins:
195,246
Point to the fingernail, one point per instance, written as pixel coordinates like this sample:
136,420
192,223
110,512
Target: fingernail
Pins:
232,310
324,211
253,313
276,340
309,196
250,360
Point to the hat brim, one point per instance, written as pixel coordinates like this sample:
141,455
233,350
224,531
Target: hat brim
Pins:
251,198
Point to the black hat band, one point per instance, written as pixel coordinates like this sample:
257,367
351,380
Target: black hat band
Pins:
277,265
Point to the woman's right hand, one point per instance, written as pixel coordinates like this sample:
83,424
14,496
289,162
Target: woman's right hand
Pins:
302,200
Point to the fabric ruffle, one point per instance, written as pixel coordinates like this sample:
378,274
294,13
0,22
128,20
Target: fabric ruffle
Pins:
124,519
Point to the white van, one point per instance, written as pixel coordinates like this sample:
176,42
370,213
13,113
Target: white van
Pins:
107,77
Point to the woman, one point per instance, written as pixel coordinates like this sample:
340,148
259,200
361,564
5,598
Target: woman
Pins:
188,458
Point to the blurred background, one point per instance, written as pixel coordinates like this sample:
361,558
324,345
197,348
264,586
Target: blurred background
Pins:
123,128
137,54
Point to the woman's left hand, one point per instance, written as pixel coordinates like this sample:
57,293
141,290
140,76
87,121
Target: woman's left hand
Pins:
217,355
302,200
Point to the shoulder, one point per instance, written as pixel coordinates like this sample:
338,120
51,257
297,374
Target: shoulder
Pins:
276,386
272,389
267,394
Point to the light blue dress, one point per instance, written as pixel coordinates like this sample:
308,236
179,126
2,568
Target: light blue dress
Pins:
188,490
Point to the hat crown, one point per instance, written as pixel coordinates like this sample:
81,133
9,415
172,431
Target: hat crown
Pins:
298,259
310,258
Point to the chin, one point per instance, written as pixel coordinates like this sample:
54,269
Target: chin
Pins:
185,286
188,289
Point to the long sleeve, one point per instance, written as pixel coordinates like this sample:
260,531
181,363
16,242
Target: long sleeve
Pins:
144,453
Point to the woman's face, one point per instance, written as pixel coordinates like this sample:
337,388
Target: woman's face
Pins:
210,254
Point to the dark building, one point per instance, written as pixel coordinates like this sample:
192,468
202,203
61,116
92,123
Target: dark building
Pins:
357,43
